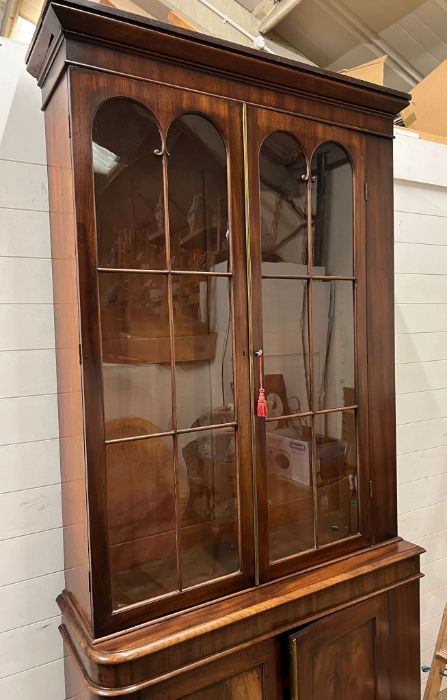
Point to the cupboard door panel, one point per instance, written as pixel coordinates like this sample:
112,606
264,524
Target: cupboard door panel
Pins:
239,687
253,673
344,655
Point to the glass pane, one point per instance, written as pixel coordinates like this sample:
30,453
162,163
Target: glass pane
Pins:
332,211
284,311
136,353
336,476
333,342
141,519
198,206
283,205
203,350
289,487
128,187
209,507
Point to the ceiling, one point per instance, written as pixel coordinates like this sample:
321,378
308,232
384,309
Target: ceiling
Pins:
340,34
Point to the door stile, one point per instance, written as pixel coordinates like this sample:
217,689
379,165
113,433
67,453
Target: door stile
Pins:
250,341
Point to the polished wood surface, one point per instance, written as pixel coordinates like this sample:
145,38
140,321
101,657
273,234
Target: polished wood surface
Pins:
166,104
214,631
250,74
67,335
379,309
167,648
344,655
309,136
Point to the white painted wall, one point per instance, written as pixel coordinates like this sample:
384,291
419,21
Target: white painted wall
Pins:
421,364
31,551
31,556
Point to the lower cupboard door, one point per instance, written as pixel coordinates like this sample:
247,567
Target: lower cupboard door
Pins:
252,673
344,656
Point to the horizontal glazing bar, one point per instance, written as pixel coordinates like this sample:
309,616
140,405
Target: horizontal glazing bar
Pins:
333,278
203,273
213,426
289,416
180,431
146,436
132,270
286,277
340,409
320,278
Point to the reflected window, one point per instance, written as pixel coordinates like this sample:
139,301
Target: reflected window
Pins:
198,198
128,187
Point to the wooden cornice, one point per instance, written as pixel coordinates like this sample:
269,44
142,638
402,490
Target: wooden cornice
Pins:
104,25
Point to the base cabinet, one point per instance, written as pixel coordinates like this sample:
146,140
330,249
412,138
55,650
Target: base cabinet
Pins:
367,650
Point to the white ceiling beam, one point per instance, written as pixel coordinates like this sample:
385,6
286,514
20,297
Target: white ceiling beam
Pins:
279,11
379,46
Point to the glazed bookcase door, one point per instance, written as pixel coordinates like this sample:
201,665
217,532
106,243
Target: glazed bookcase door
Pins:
307,235
159,191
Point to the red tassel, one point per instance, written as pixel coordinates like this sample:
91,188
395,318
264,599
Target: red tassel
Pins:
262,404
261,410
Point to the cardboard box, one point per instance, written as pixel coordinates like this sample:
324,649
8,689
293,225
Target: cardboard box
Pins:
289,458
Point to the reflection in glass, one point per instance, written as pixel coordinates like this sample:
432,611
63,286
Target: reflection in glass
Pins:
285,345
208,503
141,517
128,187
203,350
136,351
333,342
289,487
332,239
198,207
283,202
336,476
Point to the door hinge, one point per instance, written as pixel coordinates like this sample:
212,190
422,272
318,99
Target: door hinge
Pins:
69,126
365,191
371,489
80,353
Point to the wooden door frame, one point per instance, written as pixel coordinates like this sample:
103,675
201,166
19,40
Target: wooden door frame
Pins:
260,123
88,90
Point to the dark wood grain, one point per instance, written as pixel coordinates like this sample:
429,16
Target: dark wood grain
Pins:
67,336
165,105
227,635
380,320
165,649
344,655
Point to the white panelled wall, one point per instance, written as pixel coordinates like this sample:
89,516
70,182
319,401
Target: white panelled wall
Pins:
420,203
31,552
31,556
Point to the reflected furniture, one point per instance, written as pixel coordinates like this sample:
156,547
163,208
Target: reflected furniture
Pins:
221,223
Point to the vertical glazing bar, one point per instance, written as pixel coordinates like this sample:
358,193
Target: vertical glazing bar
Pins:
250,337
311,356
172,352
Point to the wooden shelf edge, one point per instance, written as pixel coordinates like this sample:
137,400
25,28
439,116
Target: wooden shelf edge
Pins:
158,635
